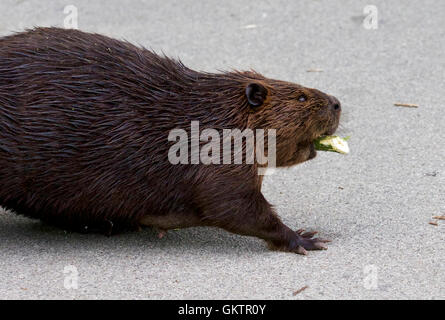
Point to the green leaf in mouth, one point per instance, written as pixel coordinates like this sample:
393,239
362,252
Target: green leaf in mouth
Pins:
332,143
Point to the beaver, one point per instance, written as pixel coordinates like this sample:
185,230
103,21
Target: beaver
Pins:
83,142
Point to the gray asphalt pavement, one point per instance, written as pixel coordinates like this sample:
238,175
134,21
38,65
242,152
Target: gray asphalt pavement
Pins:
375,204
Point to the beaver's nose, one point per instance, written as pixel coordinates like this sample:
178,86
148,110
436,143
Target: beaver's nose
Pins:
334,104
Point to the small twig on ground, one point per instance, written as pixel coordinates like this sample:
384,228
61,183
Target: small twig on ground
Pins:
439,217
407,105
300,290
433,223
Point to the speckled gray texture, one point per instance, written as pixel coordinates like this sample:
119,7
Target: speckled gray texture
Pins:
380,215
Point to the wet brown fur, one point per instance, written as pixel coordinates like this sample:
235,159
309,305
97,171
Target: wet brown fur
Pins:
83,142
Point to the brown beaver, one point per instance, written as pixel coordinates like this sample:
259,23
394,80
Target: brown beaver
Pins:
83,142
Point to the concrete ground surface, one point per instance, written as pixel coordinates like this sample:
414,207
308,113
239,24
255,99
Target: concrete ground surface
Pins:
375,204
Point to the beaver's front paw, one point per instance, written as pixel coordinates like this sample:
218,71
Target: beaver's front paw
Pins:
305,241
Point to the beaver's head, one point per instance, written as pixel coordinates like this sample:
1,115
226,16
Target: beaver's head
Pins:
299,114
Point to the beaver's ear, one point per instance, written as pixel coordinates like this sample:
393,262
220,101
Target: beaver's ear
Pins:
256,94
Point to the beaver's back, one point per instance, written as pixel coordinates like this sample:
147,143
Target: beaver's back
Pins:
84,125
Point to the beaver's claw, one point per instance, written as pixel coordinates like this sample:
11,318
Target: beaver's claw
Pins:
305,242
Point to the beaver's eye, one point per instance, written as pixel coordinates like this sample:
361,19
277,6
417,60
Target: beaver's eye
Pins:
302,97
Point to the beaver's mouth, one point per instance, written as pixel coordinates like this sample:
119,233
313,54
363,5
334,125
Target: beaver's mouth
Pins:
327,132
330,131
